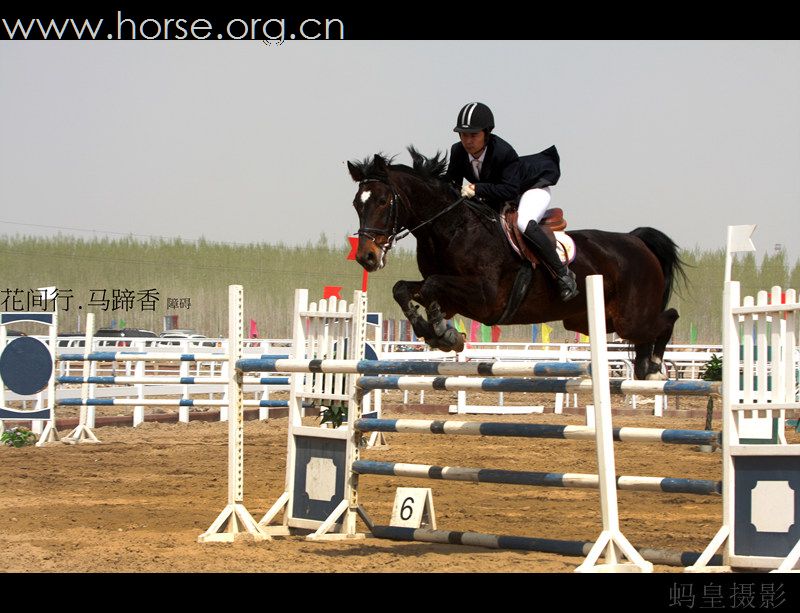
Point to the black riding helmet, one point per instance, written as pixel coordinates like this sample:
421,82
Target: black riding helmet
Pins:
474,117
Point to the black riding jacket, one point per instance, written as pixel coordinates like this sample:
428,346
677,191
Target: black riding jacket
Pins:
499,179
539,169
504,175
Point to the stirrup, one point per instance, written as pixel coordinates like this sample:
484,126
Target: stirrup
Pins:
568,285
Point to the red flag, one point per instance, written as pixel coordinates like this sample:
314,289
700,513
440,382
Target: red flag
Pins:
332,290
353,247
495,333
253,329
352,256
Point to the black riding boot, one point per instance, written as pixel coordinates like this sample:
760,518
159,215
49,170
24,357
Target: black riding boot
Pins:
565,277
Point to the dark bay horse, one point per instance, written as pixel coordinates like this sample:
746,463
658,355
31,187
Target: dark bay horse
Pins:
468,267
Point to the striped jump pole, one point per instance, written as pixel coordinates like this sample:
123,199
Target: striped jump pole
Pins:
418,367
168,379
143,356
168,402
539,479
664,557
499,384
473,428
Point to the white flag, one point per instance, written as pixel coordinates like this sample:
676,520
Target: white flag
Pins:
739,238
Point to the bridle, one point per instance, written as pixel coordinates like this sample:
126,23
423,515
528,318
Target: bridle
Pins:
396,233
393,214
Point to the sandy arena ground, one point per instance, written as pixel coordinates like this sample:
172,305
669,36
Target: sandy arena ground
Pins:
137,501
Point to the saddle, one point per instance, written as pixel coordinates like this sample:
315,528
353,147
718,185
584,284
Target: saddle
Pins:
553,221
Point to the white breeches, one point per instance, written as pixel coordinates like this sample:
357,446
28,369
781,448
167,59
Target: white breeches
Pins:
532,206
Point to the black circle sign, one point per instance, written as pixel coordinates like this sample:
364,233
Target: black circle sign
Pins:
26,366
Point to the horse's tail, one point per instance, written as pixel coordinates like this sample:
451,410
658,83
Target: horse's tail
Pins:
664,248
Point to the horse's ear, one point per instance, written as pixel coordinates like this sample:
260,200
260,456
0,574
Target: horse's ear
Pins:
379,163
355,172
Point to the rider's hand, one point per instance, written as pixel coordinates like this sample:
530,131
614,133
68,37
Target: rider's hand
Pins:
468,190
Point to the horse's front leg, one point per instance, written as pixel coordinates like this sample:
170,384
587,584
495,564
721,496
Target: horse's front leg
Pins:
445,295
406,293
447,337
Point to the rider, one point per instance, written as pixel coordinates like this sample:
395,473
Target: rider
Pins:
495,174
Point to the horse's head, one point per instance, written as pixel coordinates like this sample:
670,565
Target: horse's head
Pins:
377,204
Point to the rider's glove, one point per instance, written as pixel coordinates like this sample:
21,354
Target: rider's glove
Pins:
468,191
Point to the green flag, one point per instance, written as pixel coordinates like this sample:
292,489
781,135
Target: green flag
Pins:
486,334
692,334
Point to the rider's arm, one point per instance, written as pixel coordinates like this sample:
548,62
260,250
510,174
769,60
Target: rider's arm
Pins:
508,187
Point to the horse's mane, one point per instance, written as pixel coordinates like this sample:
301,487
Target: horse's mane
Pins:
431,170
428,168
368,166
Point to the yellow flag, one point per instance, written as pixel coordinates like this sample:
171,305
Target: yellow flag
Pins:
460,326
584,338
546,330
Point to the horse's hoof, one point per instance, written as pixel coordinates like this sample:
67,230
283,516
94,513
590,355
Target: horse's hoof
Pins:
453,340
432,342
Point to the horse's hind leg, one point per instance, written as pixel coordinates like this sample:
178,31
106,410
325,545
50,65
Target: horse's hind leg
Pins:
650,356
667,319
642,363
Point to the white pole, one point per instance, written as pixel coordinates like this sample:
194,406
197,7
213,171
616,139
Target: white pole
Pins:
611,543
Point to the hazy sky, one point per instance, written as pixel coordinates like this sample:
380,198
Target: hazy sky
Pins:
240,142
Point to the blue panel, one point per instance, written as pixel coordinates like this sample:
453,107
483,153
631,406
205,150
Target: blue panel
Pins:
373,318
14,414
369,352
748,472
26,366
7,318
311,447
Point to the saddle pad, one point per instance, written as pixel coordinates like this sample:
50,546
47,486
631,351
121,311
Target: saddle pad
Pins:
565,247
